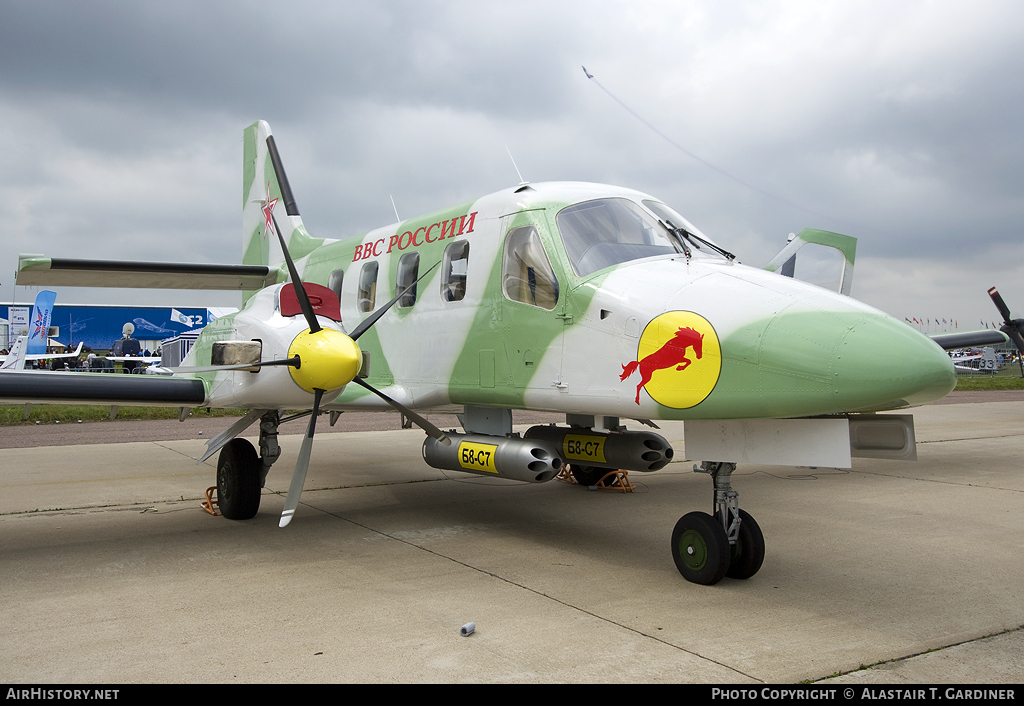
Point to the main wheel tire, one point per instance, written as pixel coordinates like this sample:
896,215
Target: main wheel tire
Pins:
238,480
588,475
747,554
700,548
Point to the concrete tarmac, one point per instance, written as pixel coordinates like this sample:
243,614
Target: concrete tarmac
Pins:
893,572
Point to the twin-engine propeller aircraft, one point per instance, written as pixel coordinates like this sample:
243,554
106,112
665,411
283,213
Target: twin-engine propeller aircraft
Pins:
594,301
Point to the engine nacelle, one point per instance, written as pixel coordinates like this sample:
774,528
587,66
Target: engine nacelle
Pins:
627,450
530,460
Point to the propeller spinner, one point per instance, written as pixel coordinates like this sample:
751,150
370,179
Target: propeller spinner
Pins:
330,360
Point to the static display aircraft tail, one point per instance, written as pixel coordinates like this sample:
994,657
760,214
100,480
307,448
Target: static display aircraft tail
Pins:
267,205
16,358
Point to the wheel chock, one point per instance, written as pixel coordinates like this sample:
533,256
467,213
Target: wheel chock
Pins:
211,503
616,480
612,480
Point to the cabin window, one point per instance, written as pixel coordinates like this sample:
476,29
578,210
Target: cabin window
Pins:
408,273
456,263
367,294
526,274
334,283
599,234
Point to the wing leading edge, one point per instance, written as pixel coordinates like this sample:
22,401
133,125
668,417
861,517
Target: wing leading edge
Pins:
36,270
96,388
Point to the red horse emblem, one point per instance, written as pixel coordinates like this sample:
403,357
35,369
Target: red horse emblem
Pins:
672,353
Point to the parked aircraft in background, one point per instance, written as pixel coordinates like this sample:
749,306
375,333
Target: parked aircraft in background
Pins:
595,301
15,360
33,345
976,361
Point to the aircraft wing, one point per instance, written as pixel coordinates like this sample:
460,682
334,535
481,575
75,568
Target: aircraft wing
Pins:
967,339
96,388
134,359
39,356
73,354
36,270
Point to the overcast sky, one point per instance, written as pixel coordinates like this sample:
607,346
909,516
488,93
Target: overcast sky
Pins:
897,123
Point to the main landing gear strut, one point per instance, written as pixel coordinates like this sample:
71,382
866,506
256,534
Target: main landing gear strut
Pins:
708,548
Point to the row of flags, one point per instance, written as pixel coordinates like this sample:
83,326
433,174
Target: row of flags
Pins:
928,322
951,323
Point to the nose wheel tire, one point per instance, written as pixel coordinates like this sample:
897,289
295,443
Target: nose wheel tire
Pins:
588,475
747,554
238,480
700,548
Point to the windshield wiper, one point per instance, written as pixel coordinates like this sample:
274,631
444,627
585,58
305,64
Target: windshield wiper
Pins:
721,251
683,235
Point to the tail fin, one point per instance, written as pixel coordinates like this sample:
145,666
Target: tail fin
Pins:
39,326
266,198
16,358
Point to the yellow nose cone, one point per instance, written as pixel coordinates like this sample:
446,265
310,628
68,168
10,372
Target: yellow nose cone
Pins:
330,360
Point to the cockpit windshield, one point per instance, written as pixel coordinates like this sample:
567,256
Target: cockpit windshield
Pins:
605,232
685,234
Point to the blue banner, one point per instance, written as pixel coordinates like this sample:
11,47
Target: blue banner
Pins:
39,322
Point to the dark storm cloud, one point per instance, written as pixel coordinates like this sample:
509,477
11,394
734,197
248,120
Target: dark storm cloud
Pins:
236,56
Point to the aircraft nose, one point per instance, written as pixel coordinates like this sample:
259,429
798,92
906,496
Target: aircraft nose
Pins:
882,363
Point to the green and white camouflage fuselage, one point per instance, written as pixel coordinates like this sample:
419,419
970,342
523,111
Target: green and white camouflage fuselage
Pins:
524,311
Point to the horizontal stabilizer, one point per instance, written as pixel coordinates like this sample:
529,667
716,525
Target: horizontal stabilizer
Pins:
100,388
36,270
989,337
785,262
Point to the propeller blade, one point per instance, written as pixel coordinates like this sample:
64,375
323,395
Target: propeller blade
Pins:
302,465
1010,327
375,316
300,291
294,362
420,421
1000,304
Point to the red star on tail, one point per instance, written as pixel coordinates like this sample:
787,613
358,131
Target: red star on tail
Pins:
268,213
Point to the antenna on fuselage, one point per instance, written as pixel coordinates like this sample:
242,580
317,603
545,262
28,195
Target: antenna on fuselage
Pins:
522,182
397,217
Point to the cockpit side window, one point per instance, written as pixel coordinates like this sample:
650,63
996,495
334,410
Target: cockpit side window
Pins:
335,281
526,273
408,273
599,234
367,294
456,266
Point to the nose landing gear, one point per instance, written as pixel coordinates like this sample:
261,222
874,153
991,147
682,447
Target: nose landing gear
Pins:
708,548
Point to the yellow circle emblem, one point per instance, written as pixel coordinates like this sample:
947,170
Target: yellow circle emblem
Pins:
678,360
